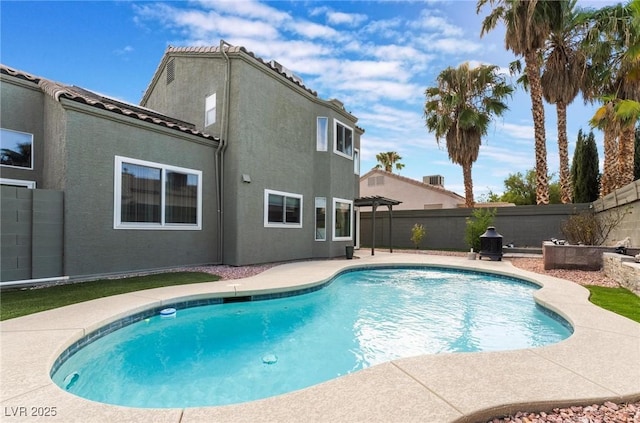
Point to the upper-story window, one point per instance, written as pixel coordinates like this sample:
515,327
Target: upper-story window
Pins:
322,134
16,149
210,110
156,196
356,161
343,139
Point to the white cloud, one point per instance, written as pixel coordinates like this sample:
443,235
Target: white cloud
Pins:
314,30
436,24
339,18
522,132
388,29
453,46
246,8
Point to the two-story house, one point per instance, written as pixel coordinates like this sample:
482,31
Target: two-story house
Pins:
228,159
289,160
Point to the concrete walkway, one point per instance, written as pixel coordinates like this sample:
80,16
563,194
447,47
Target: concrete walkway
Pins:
598,362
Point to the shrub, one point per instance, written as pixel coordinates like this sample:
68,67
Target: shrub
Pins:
417,234
587,228
477,225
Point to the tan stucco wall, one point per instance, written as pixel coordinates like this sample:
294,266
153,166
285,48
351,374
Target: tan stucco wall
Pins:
413,196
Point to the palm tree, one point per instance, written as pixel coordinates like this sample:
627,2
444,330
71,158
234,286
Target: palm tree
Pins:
387,161
563,69
528,25
459,109
612,44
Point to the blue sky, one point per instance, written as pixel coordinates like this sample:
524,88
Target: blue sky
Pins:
377,57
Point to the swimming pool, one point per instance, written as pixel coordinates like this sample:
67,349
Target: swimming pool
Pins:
230,353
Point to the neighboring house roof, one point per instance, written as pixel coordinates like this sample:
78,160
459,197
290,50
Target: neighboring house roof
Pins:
411,181
58,90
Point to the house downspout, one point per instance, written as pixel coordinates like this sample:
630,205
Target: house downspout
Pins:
224,131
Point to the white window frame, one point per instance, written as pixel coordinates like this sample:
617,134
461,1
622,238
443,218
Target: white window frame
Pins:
356,161
117,197
322,133
32,149
321,202
18,183
333,224
286,195
210,106
336,122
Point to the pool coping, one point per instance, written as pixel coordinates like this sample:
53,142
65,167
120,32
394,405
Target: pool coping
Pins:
596,363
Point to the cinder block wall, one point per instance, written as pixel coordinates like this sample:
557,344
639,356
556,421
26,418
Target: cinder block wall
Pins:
622,202
32,228
524,226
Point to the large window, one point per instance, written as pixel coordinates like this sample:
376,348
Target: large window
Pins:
322,134
321,218
16,149
342,219
343,139
210,110
282,209
156,196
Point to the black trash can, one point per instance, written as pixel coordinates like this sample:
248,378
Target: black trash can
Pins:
349,251
491,244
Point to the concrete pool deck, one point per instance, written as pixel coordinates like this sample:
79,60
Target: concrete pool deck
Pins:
600,361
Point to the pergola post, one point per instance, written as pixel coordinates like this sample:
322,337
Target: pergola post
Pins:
390,207
373,229
374,202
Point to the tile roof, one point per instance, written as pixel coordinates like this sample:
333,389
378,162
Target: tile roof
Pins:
58,90
413,182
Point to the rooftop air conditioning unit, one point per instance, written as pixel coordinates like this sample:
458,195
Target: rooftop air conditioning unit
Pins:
437,180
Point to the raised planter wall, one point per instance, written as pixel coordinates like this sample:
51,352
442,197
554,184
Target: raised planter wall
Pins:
581,257
622,269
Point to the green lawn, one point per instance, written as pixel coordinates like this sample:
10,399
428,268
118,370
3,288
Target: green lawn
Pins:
619,300
20,302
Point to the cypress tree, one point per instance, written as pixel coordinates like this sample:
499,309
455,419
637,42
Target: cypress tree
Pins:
585,169
577,158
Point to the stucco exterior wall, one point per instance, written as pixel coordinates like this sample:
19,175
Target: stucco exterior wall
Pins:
277,148
21,108
272,140
55,149
413,194
184,97
92,245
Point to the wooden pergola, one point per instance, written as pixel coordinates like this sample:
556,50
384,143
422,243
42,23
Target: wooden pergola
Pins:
374,202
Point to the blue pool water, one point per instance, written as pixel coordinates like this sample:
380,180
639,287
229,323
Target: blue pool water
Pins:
238,352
